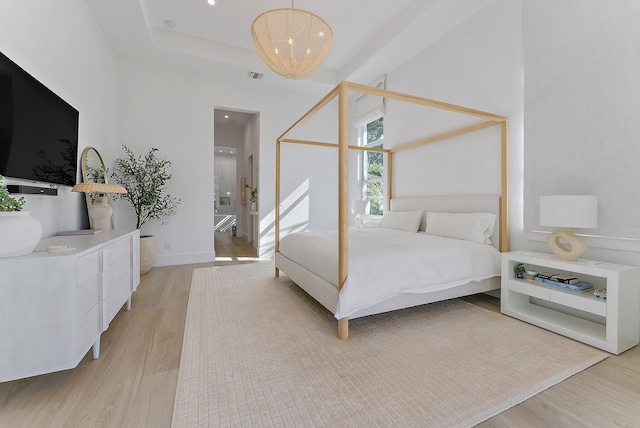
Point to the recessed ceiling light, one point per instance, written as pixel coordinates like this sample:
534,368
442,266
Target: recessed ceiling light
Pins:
231,152
211,2
219,151
169,24
226,116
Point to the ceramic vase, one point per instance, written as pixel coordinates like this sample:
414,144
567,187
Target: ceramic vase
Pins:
100,213
20,233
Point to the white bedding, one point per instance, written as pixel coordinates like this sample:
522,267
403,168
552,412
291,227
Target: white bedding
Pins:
386,262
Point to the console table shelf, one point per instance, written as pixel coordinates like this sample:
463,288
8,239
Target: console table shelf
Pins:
612,324
55,305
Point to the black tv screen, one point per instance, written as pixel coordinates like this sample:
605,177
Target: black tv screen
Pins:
38,129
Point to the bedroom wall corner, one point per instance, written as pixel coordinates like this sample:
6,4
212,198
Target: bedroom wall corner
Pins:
582,94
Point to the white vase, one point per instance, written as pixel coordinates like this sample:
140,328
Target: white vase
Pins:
254,207
100,213
20,233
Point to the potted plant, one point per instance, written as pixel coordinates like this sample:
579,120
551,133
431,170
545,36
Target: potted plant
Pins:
145,179
20,231
253,197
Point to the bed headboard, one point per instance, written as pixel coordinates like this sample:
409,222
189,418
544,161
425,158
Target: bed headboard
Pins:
453,204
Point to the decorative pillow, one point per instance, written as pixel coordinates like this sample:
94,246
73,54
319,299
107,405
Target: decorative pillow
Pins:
408,221
475,227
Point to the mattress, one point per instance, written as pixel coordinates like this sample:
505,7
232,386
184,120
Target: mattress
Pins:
386,262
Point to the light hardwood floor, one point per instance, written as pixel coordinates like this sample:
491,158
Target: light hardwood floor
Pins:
606,394
133,382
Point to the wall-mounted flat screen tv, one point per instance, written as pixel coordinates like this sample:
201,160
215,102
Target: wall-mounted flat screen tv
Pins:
38,129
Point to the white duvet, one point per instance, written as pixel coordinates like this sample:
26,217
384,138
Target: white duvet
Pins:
386,262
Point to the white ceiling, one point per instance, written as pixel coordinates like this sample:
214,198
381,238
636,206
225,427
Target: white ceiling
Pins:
371,37
230,119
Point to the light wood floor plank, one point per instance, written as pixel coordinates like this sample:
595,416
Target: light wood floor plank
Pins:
154,394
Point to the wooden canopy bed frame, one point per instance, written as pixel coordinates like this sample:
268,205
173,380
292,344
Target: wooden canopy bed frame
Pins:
320,289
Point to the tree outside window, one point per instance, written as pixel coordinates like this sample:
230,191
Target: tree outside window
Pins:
373,167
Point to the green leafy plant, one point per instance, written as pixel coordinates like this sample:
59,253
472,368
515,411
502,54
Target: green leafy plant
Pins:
145,179
96,175
8,202
253,193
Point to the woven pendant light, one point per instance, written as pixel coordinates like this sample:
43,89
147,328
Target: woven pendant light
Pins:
292,42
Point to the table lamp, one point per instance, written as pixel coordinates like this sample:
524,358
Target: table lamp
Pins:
567,212
359,207
99,211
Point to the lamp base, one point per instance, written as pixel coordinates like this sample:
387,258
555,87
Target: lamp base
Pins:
562,252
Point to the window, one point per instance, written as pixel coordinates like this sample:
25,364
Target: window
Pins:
372,165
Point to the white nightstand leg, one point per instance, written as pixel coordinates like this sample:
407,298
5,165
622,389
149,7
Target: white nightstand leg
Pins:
129,303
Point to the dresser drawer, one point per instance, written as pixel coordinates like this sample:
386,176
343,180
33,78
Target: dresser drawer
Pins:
117,297
119,270
113,252
87,295
87,267
87,331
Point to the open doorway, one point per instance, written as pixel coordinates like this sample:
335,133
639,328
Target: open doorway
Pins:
224,198
236,148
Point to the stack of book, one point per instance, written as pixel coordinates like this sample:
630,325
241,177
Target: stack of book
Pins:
569,283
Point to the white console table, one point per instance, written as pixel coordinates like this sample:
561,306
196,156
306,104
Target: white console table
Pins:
54,306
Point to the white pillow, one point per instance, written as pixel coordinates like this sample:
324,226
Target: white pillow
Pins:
475,227
408,221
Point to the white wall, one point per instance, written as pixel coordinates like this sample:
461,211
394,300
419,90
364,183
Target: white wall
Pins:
582,98
60,44
481,65
173,110
310,174
478,65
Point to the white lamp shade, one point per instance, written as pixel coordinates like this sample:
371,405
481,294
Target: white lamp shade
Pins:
572,211
359,207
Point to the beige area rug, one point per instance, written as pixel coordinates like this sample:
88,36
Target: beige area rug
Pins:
258,351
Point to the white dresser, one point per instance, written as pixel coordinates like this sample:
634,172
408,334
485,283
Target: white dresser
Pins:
54,306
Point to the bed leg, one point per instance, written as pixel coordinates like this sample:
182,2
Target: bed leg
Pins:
277,273
343,328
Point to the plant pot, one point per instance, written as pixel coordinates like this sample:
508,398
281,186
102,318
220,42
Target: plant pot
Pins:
20,233
147,253
254,206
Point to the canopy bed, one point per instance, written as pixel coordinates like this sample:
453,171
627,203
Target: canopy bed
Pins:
325,281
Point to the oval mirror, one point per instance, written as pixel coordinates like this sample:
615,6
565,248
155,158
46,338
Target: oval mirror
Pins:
93,170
